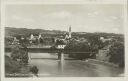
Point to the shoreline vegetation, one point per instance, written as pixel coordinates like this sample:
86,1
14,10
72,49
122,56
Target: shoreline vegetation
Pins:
15,69
17,64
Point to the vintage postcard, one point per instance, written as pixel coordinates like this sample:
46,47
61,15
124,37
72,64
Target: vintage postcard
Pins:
63,40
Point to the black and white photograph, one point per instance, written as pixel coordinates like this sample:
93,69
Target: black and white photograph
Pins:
64,40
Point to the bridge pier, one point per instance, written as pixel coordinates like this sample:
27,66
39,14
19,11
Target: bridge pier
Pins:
61,56
29,57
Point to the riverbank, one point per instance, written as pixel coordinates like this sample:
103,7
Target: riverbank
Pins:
102,62
121,70
15,69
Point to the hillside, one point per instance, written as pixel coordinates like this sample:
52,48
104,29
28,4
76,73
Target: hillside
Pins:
9,31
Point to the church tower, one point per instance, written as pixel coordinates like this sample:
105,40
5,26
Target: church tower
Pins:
70,32
68,35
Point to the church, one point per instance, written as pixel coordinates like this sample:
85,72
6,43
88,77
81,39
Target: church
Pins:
68,36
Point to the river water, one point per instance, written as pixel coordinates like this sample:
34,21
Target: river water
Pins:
50,66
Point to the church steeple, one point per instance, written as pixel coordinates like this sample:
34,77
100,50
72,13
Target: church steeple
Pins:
70,32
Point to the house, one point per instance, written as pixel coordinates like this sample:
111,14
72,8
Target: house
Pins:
105,39
35,38
15,41
103,54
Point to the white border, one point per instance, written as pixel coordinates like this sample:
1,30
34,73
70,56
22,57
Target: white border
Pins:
66,1
63,78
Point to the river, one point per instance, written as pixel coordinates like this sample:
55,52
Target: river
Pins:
50,66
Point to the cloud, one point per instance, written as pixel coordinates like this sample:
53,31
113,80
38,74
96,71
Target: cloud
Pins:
23,19
16,17
61,15
93,14
114,17
116,29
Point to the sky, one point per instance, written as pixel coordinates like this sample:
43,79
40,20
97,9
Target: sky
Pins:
81,17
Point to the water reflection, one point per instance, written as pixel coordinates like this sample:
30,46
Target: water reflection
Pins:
61,66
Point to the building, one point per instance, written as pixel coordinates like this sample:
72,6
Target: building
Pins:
31,37
105,39
35,38
69,35
103,54
15,41
70,32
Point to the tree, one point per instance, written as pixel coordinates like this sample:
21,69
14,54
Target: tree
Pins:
78,47
15,54
11,66
8,41
117,53
21,53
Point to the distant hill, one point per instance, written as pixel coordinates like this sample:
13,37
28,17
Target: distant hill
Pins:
9,31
